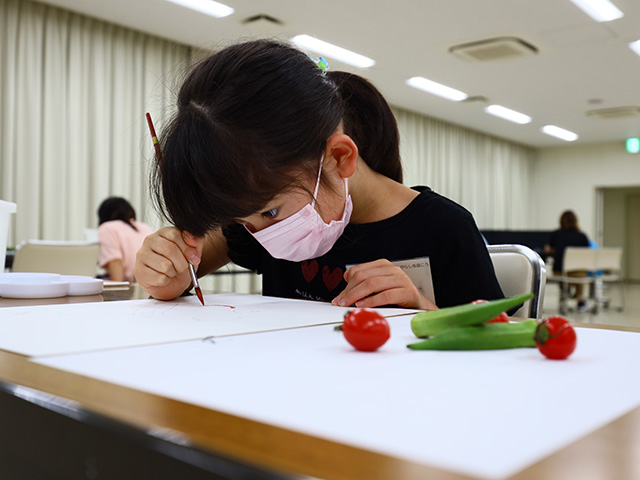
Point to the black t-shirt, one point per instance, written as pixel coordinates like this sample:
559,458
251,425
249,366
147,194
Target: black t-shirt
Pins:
563,238
430,226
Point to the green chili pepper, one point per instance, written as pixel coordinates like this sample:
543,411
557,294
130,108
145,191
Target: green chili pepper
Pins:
433,322
482,337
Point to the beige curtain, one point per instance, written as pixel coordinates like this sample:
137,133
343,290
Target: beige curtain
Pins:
73,94
488,176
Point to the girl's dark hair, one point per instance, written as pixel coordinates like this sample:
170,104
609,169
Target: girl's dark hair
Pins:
369,121
569,221
251,119
116,208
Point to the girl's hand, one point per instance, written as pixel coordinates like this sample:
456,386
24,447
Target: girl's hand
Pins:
380,283
162,263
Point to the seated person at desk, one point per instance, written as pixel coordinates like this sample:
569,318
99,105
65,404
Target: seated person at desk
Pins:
120,236
293,171
569,235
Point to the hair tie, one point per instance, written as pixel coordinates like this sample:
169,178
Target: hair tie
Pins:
321,63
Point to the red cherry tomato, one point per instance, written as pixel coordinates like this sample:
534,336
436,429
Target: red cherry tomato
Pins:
502,318
365,329
555,337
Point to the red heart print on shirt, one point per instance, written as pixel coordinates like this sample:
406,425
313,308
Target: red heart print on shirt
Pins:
330,278
309,270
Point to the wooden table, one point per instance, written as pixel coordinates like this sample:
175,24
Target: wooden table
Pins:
55,424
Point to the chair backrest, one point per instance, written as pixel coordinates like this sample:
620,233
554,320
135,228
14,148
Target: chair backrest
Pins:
520,270
65,258
609,259
579,259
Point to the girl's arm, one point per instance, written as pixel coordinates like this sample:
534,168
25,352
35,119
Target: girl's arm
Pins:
115,270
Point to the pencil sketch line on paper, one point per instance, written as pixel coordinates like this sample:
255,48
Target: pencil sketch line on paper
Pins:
164,309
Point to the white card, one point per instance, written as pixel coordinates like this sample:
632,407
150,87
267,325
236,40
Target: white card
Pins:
419,271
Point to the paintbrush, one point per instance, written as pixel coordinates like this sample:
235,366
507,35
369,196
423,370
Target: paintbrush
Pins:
154,138
192,270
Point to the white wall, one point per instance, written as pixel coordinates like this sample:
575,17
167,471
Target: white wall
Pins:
568,177
614,218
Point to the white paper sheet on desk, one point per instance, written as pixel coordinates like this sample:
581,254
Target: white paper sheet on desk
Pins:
60,329
486,414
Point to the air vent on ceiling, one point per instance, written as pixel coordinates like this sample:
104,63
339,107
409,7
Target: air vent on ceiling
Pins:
615,112
499,48
263,25
476,99
262,18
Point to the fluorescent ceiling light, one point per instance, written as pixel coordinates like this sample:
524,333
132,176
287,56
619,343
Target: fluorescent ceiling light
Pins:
508,114
635,46
209,7
599,10
560,133
436,89
333,51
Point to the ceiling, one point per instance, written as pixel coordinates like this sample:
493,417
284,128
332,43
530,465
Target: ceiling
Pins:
580,65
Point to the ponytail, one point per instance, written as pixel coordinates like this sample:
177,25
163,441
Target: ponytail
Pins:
369,121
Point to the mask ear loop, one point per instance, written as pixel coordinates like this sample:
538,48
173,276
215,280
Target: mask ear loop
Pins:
315,192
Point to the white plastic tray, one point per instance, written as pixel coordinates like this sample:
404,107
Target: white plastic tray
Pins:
47,285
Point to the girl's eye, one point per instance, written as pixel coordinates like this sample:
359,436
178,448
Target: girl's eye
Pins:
271,213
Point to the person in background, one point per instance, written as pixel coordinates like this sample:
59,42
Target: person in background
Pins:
120,236
568,235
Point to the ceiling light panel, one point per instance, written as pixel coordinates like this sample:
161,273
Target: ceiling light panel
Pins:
599,10
333,51
635,46
508,114
435,88
560,133
208,7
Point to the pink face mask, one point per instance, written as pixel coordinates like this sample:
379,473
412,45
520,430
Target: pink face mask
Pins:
304,235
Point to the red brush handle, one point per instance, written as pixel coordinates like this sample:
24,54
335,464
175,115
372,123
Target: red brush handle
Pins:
156,145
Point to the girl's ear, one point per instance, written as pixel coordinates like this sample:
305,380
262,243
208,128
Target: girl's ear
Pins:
344,151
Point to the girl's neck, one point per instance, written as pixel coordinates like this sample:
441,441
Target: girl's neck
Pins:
376,197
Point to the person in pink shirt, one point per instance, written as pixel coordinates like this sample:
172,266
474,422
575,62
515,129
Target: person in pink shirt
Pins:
120,236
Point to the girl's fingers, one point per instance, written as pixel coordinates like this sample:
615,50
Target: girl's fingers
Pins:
162,263
194,246
373,278
381,283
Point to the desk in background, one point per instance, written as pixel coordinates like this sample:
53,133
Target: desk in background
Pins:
534,239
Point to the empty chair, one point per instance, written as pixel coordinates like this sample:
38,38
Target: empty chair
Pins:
609,270
65,258
578,268
520,270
